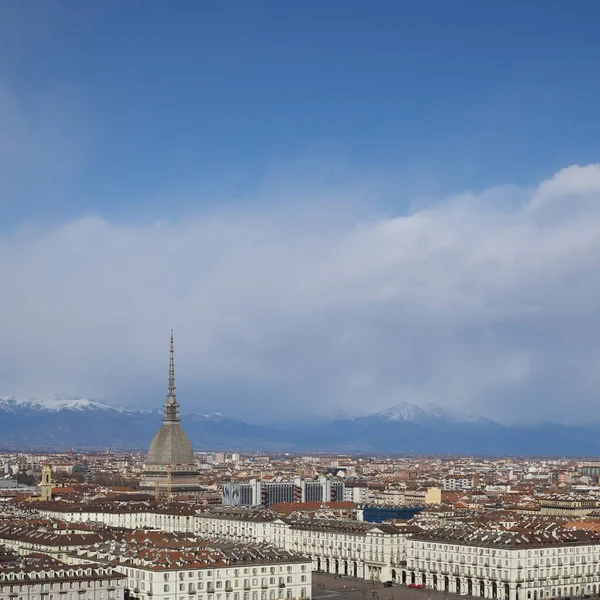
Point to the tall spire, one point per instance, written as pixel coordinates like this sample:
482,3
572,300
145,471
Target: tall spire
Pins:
171,369
171,408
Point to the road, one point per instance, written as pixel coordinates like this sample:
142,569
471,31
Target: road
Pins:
350,588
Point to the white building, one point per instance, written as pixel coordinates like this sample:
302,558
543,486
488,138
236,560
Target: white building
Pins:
359,494
509,565
181,569
367,550
37,577
459,482
358,549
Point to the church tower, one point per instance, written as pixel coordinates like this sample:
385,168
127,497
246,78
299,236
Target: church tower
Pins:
46,483
170,463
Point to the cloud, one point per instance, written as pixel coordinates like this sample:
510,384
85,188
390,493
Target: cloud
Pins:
487,302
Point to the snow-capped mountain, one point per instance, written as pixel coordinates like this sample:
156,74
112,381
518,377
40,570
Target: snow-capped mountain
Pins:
417,413
55,402
57,421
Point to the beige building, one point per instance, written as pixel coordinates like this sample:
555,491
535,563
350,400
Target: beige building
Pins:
425,495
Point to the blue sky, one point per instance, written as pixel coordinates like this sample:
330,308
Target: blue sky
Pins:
214,97
299,132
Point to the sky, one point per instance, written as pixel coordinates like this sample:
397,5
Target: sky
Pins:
338,207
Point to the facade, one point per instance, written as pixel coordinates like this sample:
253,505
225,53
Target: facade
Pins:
266,493
24,539
347,548
452,483
333,545
359,494
508,565
38,577
420,496
170,464
181,569
567,505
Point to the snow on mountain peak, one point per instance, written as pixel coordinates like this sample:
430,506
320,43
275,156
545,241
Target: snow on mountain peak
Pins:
406,411
55,403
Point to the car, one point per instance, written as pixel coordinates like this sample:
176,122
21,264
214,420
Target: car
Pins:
420,586
412,585
387,584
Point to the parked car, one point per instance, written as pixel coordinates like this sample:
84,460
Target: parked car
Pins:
412,585
387,584
420,586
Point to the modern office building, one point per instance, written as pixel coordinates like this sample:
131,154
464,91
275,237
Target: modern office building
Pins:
267,493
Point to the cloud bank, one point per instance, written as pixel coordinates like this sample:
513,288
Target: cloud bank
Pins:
486,302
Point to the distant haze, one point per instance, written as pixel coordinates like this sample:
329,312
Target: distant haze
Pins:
485,302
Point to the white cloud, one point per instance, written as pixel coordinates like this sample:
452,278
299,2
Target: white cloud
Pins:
474,302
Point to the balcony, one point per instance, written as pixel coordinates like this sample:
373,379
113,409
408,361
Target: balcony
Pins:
210,591
281,585
246,586
191,591
228,588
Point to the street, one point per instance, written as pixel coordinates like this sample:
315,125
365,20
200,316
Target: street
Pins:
351,588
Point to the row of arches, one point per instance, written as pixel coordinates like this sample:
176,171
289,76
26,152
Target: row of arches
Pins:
339,567
493,590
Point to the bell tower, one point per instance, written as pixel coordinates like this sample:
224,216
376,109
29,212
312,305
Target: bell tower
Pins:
46,483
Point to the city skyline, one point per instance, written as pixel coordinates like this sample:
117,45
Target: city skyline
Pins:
337,210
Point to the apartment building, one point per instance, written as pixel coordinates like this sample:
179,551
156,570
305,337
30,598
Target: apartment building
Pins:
357,493
365,550
457,482
507,565
162,566
39,577
370,550
423,495
24,538
567,505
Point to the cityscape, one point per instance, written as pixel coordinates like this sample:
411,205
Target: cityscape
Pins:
299,300
171,522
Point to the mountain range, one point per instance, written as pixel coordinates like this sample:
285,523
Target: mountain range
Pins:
59,422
